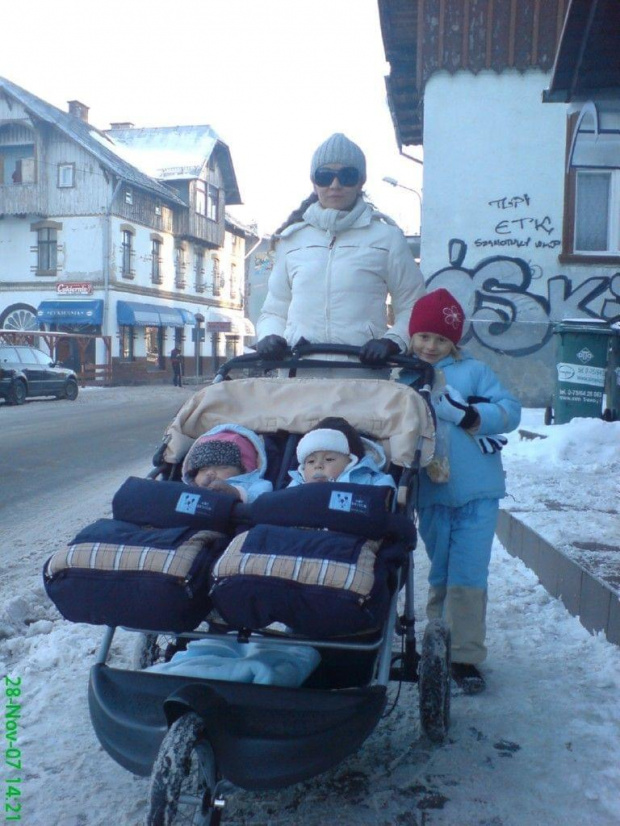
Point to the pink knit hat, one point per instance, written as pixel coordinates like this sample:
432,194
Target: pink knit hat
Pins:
221,448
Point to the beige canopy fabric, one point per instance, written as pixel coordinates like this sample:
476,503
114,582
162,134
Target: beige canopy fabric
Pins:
391,413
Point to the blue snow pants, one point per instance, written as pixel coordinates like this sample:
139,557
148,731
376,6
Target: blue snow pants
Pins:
458,542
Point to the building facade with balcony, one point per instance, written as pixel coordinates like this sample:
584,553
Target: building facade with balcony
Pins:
119,233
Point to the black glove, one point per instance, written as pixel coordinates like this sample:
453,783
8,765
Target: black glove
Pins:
377,351
272,347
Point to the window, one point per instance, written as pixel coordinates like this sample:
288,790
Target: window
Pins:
127,253
126,343
66,175
217,278
128,196
595,193
179,266
17,155
212,202
199,270
47,250
201,198
234,284
592,187
154,340
156,273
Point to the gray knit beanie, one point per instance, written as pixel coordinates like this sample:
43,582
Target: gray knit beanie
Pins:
214,453
339,149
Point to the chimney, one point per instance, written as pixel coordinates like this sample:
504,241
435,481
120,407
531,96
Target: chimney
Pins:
78,110
125,124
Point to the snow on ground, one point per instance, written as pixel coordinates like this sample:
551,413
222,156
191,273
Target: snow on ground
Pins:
541,746
566,487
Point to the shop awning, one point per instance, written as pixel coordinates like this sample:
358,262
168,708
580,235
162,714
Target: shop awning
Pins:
134,314
71,312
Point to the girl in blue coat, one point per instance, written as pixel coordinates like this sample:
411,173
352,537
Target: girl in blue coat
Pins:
460,490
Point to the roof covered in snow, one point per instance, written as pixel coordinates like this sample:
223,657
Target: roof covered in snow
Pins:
90,139
175,153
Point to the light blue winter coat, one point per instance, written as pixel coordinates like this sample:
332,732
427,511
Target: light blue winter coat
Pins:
251,484
368,471
473,474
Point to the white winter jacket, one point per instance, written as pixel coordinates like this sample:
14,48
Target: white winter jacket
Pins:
334,288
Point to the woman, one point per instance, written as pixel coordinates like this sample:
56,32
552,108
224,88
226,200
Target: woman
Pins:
337,260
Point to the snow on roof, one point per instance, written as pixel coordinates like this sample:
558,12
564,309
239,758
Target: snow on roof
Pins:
89,138
165,152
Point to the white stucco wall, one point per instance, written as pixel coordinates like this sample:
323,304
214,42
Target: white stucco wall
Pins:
494,158
493,166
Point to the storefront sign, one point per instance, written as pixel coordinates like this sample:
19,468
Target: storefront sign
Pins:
74,288
219,326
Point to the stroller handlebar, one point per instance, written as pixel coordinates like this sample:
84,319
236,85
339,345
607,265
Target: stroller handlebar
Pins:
298,357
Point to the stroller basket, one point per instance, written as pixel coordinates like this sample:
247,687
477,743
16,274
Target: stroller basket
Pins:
265,737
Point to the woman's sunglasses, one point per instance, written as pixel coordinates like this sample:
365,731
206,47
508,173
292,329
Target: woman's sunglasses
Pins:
348,176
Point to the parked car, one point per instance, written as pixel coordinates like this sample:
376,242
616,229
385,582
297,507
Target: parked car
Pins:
26,372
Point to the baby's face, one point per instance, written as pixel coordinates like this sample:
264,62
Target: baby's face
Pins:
324,466
209,473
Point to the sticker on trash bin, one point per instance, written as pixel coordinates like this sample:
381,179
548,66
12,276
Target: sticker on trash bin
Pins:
585,355
581,374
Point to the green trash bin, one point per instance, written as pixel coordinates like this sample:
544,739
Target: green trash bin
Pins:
587,371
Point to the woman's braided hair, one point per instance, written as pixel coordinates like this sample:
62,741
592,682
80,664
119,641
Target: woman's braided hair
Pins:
295,217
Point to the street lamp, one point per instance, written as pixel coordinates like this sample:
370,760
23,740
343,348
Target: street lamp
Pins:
394,182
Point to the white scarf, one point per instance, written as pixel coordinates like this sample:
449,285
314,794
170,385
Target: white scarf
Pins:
334,221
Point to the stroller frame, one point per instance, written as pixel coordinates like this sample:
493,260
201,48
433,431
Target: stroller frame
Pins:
214,734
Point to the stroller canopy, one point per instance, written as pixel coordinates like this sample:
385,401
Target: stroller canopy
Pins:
392,414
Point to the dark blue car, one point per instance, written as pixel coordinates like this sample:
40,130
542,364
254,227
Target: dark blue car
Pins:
26,372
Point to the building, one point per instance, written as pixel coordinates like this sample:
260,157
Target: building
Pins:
120,233
521,236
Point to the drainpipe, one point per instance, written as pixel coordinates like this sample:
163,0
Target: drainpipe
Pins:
107,247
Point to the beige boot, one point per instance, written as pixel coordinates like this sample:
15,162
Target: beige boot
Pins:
465,612
434,605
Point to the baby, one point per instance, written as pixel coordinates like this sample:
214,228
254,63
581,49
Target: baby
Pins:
228,459
335,452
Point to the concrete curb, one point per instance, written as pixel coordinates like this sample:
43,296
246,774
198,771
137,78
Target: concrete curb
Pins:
590,599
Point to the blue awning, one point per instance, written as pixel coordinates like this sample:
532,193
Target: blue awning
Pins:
189,317
71,312
134,314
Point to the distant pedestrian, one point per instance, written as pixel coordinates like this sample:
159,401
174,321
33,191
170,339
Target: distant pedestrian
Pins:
176,360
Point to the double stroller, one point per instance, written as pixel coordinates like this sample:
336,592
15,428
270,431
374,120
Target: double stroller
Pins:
197,736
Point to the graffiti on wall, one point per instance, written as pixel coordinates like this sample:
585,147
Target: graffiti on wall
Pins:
518,224
512,308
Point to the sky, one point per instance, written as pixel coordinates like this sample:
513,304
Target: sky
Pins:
274,78
540,746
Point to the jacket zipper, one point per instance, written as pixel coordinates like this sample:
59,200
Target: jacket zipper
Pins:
328,279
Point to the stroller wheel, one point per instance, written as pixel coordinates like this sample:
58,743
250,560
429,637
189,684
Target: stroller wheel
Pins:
184,777
434,681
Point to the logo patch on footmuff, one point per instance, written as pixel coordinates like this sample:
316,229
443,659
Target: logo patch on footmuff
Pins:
340,501
188,503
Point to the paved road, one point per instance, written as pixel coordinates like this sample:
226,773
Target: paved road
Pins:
50,445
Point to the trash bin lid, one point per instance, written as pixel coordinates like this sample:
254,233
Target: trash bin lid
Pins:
584,325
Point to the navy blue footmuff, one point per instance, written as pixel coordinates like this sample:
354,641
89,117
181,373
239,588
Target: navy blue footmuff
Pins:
321,561
148,567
